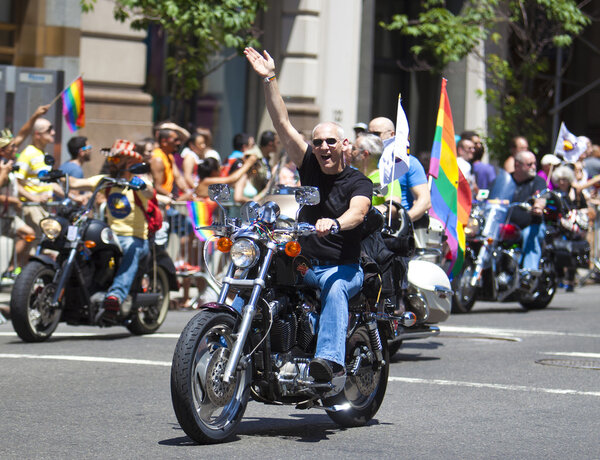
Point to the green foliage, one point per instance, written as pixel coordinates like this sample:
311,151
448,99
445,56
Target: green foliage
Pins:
195,31
533,27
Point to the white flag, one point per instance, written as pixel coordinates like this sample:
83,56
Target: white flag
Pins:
567,145
394,161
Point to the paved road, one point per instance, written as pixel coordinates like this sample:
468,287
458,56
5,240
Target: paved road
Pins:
494,384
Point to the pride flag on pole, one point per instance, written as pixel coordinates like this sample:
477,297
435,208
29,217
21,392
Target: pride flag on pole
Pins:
74,105
450,191
200,215
394,161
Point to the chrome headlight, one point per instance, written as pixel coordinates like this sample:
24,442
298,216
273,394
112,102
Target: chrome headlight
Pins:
51,227
473,227
244,253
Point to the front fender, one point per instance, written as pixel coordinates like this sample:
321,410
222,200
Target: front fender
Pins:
46,260
221,307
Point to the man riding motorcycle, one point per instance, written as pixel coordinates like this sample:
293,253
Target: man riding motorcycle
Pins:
345,199
527,185
127,218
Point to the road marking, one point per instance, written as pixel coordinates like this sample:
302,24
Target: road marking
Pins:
511,332
574,354
495,386
146,362
93,359
158,335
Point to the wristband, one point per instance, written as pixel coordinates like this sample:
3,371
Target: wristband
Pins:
269,79
336,223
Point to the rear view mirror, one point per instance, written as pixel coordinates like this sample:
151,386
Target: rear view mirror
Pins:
307,196
219,192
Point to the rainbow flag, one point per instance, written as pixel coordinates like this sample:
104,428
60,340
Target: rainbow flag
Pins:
200,215
450,191
74,105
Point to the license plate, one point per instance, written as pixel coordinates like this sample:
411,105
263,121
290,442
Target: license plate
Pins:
72,233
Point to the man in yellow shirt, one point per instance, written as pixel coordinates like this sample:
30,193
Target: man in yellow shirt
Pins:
30,162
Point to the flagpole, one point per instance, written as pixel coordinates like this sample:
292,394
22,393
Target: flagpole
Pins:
393,174
63,90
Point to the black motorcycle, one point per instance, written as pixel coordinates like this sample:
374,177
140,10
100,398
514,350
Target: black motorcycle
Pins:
491,270
71,287
224,357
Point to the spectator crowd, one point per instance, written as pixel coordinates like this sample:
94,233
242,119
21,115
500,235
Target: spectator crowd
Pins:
183,164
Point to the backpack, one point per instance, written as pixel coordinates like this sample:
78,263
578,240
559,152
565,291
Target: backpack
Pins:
152,214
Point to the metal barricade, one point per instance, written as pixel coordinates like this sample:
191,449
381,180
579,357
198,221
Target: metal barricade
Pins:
594,271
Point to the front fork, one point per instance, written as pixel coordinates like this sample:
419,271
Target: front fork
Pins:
249,310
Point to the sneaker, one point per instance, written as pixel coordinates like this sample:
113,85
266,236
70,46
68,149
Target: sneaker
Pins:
324,370
111,309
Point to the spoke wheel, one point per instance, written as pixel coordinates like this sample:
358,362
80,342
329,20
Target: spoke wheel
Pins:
207,408
363,393
147,320
32,316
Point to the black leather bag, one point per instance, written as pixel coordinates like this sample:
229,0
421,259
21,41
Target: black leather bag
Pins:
571,253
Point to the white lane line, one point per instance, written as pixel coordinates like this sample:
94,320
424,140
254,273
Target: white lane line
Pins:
92,359
495,386
571,353
511,332
158,335
145,362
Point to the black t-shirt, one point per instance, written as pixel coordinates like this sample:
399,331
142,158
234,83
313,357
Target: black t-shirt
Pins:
336,191
523,192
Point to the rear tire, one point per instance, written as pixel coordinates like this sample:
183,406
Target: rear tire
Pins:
545,289
147,320
208,409
32,317
363,393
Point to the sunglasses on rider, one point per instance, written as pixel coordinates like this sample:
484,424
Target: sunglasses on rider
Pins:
329,141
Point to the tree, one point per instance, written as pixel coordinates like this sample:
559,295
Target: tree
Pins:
195,31
520,90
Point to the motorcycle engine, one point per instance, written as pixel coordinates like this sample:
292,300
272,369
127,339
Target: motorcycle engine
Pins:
291,372
298,328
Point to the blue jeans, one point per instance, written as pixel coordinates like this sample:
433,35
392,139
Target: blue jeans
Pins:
134,250
337,283
533,235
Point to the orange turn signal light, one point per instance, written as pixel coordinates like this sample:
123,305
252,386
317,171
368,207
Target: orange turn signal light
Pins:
292,248
29,238
89,244
224,244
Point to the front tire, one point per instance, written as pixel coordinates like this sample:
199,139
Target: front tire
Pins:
147,320
208,409
33,319
363,393
464,295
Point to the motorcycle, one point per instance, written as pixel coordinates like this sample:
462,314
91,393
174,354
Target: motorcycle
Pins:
491,268
420,289
224,357
71,287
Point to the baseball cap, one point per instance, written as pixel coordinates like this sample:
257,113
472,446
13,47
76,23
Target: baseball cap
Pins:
550,159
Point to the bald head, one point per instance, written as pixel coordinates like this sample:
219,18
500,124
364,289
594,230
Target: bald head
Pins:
382,127
525,166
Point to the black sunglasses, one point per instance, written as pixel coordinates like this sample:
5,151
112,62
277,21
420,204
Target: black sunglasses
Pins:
329,140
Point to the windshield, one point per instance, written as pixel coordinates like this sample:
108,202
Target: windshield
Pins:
503,187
